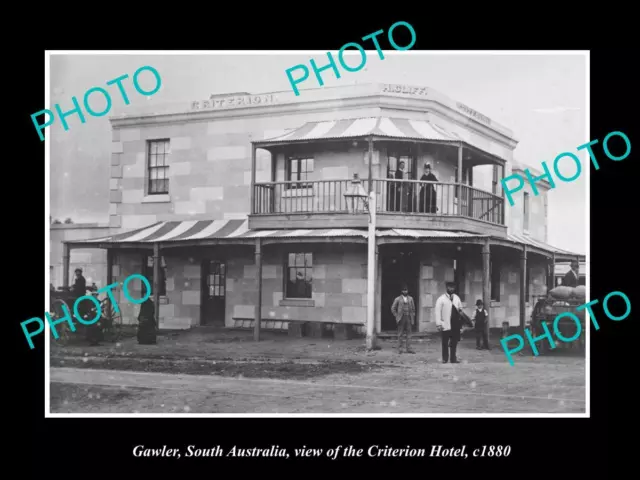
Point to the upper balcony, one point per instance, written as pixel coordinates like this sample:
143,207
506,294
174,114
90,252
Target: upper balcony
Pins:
305,178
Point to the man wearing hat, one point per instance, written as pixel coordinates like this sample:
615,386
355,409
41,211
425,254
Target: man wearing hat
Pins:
449,323
404,309
571,279
480,321
79,288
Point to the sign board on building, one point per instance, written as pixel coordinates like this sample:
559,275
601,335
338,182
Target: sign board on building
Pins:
234,101
473,113
420,91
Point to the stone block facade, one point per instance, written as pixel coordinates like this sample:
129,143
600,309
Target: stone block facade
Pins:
437,267
339,292
339,286
209,178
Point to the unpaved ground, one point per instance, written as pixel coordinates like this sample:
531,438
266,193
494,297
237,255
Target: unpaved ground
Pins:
229,345
282,370
105,391
226,372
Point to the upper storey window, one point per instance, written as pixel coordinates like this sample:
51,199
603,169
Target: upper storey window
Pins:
299,170
158,167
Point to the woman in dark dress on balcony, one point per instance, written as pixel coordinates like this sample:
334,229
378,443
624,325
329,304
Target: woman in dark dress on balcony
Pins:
428,196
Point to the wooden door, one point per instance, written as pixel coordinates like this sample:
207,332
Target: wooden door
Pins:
213,290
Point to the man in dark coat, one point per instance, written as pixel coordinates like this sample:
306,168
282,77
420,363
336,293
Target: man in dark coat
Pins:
571,279
480,321
404,311
79,288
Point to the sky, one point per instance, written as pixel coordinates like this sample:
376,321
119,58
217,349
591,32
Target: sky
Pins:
541,98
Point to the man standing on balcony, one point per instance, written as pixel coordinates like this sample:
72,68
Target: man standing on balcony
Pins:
448,322
398,190
404,309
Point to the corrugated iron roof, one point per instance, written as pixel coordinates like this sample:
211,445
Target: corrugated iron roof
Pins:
536,243
190,230
213,229
400,232
363,127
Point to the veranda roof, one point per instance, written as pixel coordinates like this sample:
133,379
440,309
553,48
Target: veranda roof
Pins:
193,232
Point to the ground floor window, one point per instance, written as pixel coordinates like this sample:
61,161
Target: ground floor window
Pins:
299,278
147,272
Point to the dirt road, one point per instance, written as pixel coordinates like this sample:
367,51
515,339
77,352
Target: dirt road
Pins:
399,389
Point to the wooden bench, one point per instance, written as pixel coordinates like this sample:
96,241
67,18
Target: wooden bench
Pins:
302,328
339,331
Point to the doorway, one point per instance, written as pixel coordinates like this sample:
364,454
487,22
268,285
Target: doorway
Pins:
398,266
213,292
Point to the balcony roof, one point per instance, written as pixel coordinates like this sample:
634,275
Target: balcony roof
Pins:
349,128
377,127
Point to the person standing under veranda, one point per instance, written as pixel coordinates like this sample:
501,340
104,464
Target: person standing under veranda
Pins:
78,290
480,321
448,322
79,287
404,310
572,277
147,323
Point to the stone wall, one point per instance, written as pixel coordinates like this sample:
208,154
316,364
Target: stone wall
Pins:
209,166
180,308
339,286
437,268
538,208
210,160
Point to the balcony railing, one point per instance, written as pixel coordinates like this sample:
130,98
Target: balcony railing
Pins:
405,197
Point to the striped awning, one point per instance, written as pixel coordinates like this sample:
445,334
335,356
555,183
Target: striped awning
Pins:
188,231
193,230
363,127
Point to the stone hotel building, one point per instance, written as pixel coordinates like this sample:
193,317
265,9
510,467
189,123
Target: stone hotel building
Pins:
239,200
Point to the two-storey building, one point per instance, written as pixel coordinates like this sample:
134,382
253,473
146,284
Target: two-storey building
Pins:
239,201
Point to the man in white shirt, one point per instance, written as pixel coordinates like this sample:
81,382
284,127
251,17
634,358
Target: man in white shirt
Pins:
448,322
